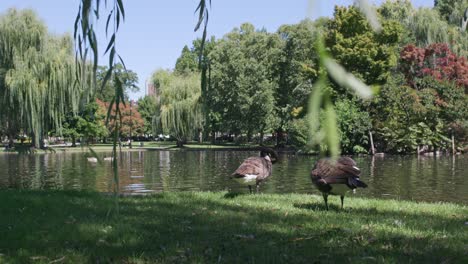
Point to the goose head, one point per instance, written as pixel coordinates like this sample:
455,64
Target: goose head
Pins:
268,154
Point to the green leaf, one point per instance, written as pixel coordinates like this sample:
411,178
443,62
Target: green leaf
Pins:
331,130
95,155
75,31
315,100
108,20
121,8
346,79
110,45
370,13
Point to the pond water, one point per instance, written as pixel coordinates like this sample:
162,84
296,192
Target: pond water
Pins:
397,177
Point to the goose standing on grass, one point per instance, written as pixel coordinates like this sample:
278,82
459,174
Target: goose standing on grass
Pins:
255,170
336,177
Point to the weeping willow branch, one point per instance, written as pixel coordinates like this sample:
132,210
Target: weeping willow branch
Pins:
326,129
86,42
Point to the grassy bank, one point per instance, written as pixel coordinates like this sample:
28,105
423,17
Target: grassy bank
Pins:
204,227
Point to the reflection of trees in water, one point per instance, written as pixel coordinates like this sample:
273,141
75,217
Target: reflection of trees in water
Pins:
165,169
47,171
398,177
132,172
417,177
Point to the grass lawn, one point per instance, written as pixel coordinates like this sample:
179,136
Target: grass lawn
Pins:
220,227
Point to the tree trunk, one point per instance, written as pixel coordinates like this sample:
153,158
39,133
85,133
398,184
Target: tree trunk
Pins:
372,143
261,138
180,143
73,141
200,136
34,142
249,136
41,142
279,137
11,141
213,137
453,145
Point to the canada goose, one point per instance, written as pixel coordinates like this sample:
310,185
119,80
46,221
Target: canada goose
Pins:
336,177
254,170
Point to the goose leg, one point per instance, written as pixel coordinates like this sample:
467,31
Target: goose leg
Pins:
325,198
258,188
250,189
342,199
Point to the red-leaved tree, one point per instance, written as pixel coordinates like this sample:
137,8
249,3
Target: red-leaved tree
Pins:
131,118
436,60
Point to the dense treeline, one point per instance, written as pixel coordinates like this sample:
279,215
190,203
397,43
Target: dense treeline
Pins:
255,82
41,95
253,85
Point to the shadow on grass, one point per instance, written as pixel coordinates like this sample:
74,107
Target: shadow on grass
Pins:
208,228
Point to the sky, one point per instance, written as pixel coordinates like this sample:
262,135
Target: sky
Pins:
154,32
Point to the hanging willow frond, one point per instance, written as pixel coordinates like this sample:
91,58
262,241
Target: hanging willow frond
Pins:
88,14
203,16
326,129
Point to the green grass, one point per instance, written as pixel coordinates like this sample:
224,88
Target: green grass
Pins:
205,227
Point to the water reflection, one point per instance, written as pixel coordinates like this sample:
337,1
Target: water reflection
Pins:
397,177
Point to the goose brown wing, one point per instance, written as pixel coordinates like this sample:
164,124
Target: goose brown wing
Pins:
253,166
331,173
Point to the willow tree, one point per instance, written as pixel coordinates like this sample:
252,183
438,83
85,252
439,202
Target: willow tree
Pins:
19,32
179,112
38,84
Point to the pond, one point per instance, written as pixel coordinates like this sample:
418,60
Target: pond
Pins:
398,177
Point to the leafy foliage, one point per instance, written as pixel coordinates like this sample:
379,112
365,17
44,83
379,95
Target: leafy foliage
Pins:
451,10
179,111
131,122
367,54
147,108
241,86
436,60
354,125
127,77
296,69
88,124
37,83
187,62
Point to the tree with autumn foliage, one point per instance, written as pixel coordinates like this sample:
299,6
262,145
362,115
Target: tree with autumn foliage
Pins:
425,103
436,60
131,123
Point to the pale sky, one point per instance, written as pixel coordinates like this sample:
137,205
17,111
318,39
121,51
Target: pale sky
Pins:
155,32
